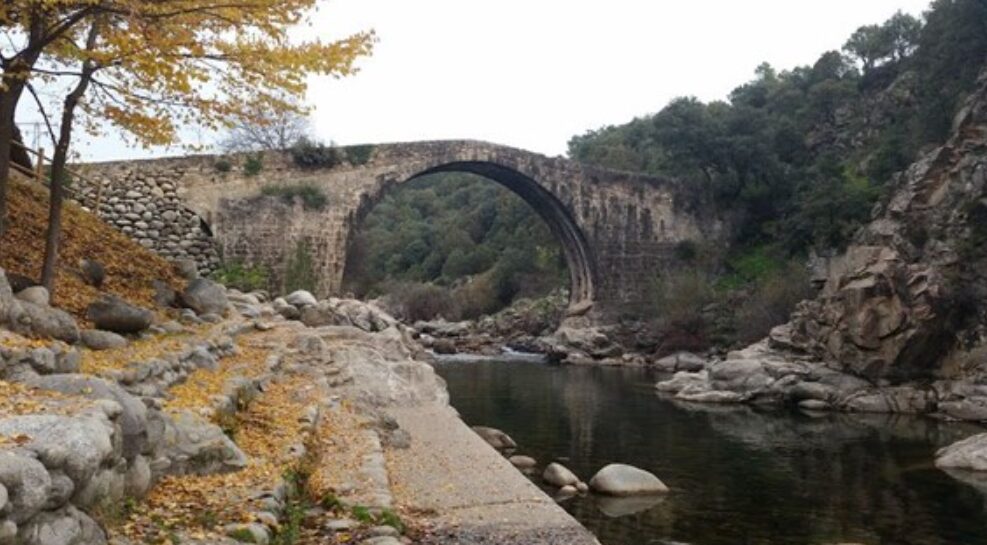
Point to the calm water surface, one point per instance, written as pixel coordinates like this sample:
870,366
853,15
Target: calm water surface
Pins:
738,476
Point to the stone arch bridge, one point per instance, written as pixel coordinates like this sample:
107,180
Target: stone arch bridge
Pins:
617,229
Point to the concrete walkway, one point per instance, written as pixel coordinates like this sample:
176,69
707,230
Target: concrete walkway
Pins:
468,491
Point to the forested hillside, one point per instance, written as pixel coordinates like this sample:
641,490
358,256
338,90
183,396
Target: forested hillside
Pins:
803,154
463,244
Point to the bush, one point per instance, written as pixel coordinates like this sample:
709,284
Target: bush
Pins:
359,155
299,271
413,302
771,301
253,164
223,165
242,277
312,197
310,155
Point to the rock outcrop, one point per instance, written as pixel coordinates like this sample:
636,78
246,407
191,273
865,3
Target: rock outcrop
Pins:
901,322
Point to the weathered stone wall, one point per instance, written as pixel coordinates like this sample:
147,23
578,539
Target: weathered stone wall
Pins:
142,201
618,229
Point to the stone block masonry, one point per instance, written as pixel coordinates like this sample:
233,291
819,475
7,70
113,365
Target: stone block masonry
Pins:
142,201
618,230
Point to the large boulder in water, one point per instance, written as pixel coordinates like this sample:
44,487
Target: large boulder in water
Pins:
969,454
111,313
625,480
205,297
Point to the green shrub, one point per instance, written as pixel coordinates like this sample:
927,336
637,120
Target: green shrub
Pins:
243,277
223,165
359,155
770,302
253,164
414,302
299,271
310,155
312,197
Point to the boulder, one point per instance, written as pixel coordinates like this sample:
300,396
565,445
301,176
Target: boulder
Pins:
969,454
19,282
11,312
301,298
625,480
27,482
193,445
35,294
111,313
77,446
681,361
523,462
205,297
287,311
133,420
323,314
48,322
495,438
92,273
95,339
66,526
558,475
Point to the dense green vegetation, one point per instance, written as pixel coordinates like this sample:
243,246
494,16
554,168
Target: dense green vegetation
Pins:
797,157
801,155
477,245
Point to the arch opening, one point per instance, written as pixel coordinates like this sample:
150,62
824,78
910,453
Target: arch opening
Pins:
572,245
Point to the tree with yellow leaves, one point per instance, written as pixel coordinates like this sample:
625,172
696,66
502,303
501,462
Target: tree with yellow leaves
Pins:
149,68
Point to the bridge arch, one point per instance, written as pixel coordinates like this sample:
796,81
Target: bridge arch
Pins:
577,251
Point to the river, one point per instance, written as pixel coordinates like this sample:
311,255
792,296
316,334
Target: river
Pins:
739,476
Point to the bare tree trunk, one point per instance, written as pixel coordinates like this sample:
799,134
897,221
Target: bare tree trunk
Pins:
59,162
8,107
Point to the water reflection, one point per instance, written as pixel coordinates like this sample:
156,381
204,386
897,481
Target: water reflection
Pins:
738,475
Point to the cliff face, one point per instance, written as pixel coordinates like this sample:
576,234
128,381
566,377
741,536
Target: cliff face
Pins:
909,299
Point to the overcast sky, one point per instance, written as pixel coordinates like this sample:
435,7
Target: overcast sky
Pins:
533,73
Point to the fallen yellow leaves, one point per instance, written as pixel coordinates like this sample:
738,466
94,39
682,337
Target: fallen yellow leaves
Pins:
130,268
265,431
200,387
98,362
19,400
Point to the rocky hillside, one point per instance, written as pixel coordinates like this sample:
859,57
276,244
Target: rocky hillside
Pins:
901,324
130,269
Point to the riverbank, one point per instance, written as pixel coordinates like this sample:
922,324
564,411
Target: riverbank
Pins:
252,428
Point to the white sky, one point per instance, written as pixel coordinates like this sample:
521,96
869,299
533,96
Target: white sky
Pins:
533,73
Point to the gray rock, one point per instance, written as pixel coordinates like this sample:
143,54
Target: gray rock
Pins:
341,525
8,531
558,475
289,312
138,478
681,361
102,340
44,321
35,294
78,446
495,438
133,419
67,526
301,298
249,533
323,314
625,480
523,462
3,497
11,312
92,272
381,540
27,483
969,454
383,530
622,506
111,313
205,297
194,445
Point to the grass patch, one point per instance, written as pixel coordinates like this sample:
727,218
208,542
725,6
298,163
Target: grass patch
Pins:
243,277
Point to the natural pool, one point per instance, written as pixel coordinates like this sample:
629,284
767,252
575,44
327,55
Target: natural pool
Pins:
738,475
